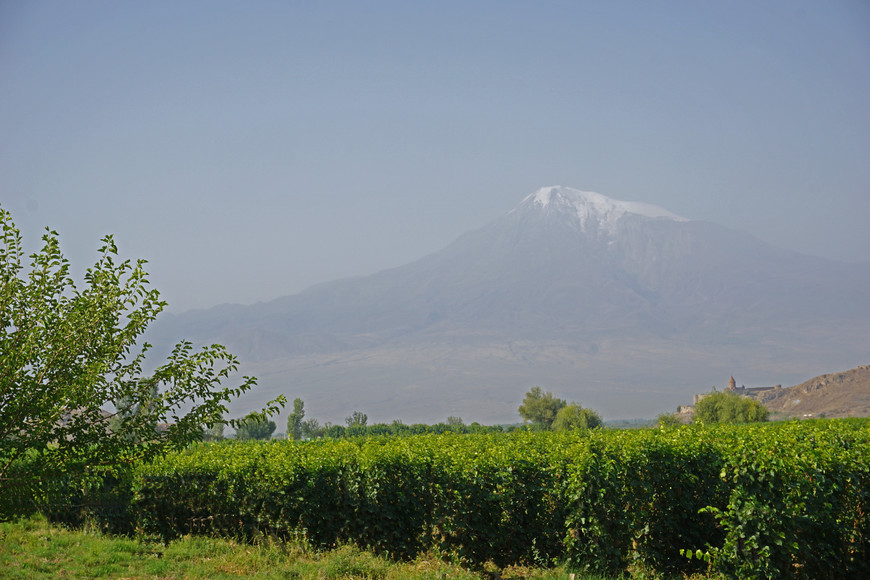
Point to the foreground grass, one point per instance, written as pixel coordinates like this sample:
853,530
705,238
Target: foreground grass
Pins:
33,548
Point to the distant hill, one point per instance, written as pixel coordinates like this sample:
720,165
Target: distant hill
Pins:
844,394
621,306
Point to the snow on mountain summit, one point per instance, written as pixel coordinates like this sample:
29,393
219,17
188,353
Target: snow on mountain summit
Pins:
588,205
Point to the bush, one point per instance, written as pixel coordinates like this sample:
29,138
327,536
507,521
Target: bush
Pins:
73,393
720,407
573,416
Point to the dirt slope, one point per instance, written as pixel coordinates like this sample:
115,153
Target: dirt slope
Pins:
843,394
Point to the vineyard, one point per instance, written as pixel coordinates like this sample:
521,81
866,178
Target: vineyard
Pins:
785,499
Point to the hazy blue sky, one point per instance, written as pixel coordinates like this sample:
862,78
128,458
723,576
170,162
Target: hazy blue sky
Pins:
250,149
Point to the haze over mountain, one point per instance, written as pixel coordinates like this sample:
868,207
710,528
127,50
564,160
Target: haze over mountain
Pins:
622,306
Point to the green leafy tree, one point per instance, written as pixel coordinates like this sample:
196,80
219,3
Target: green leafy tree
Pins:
540,407
357,419
295,422
724,407
70,356
574,416
311,429
334,431
255,426
356,424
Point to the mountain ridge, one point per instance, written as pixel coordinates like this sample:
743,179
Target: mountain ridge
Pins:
531,298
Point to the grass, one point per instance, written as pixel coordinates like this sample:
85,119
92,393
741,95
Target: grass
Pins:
32,548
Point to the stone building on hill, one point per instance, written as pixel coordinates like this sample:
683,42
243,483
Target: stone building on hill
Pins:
751,392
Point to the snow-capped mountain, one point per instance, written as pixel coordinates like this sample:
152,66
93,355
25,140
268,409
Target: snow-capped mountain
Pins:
623,306
592,210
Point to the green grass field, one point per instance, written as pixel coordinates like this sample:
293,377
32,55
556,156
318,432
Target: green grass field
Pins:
33,549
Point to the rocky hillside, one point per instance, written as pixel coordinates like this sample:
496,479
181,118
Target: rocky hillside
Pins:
843,394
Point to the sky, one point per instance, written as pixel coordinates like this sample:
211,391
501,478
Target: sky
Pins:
248,150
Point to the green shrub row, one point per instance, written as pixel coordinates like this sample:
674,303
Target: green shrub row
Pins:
637,496
798,502
773,500
480,498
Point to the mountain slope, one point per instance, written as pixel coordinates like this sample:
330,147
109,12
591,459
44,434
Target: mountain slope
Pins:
843,394
624,305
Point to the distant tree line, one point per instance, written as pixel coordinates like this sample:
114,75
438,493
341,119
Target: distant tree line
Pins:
540,410
398,428
356,425
255,426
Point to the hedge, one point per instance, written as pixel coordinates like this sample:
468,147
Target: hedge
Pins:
776,500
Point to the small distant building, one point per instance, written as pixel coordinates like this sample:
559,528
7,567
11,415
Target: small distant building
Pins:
751,392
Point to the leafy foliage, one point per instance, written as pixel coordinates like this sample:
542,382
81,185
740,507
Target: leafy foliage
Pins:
540,407
255,426
797,503
295,421
311,429
766,500
357,419
573,416
722,407
72,389
772,500
480,498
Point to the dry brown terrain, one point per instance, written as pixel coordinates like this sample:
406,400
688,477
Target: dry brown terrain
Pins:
843,394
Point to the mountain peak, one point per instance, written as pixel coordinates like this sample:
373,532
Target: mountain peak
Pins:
588,205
